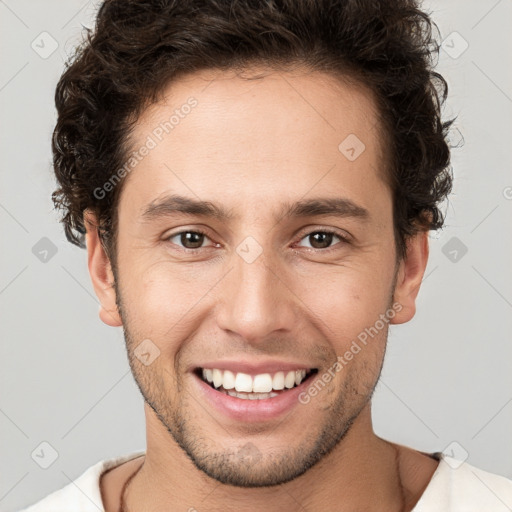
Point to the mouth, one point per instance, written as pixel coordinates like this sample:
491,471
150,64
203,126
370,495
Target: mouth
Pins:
261,386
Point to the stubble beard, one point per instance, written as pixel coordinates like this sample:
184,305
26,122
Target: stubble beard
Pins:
245,464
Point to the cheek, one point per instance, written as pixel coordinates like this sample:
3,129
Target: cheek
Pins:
161,301
347,300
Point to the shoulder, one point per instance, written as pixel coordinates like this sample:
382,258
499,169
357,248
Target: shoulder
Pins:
459,486
84,493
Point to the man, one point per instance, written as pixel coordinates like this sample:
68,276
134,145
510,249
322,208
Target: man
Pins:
256,181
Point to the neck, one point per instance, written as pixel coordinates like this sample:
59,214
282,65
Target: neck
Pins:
363,472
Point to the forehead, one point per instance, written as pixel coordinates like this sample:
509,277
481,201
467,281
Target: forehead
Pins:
265,135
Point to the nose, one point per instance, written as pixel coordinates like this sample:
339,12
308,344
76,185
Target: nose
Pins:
257,301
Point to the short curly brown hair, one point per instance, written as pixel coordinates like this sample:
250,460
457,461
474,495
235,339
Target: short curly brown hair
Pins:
138,47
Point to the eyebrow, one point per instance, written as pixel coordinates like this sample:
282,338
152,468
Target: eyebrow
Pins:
337,207
174,204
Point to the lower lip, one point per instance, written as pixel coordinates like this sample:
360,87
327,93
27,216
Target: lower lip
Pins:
250,411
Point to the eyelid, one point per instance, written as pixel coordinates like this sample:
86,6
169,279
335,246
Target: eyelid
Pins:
307,231
167,238
343,235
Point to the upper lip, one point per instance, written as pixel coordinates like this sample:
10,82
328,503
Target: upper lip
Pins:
253,368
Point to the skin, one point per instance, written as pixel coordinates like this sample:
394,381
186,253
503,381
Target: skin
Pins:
252,146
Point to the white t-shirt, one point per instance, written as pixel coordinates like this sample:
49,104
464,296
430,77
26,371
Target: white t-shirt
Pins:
454,487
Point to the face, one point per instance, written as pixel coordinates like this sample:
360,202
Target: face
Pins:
255,247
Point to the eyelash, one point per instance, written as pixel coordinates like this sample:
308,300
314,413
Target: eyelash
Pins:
344,239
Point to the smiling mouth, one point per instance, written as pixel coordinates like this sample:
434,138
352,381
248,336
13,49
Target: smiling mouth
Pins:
254,387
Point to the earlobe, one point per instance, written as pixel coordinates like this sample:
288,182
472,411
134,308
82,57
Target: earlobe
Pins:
409,277
101,273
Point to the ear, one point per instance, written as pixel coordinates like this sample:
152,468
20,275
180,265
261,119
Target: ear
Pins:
101,273
409,276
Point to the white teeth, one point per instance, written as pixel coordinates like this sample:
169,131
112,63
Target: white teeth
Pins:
243,382
260,384
289,380
299,376
217,378
278,381
229,380
251,396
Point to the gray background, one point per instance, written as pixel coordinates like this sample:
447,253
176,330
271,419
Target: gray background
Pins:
65,380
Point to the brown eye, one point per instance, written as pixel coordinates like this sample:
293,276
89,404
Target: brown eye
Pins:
188,239
321,239
192,240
